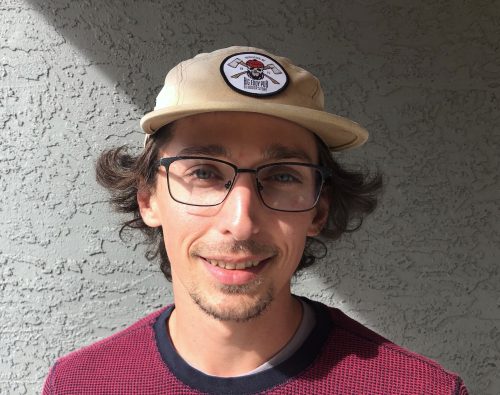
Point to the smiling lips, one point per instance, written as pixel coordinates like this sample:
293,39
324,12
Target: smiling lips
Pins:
235,272
233,266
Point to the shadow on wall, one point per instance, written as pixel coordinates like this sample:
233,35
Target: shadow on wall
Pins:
111,36
134,44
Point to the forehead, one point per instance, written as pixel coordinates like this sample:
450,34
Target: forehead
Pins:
240,135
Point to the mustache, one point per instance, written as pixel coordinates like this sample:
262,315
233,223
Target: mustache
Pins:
250,247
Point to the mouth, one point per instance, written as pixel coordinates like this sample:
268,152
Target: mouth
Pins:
235,271
232,265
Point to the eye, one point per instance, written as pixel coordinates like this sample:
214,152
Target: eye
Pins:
286,175
282,175
204,172
284,178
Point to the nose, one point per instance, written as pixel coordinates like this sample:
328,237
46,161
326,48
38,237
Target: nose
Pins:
240,213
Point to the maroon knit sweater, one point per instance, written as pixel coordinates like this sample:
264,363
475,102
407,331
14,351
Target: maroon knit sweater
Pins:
340,356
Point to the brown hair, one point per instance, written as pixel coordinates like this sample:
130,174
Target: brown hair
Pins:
352,194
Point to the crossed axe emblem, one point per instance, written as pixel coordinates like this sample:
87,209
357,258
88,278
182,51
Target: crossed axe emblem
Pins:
238,62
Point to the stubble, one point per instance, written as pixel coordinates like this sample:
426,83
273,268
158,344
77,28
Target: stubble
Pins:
252,301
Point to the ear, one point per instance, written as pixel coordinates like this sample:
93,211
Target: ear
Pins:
148,207
320,217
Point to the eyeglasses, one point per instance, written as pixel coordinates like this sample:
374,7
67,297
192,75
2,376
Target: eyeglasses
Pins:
282,186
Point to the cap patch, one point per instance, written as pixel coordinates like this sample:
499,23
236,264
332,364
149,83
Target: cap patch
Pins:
254,74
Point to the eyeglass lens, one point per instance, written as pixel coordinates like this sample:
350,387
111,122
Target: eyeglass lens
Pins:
207,182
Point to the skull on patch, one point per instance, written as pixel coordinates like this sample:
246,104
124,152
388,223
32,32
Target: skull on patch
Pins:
255,69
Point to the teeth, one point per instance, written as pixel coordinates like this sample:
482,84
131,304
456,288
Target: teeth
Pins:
233,266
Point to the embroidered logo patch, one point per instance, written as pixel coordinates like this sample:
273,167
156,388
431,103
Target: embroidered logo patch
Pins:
254,74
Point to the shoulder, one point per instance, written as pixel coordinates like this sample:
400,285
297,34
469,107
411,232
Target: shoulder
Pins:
126,338
355,350
126,353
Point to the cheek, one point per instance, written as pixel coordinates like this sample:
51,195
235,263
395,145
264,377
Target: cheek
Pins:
179,230
294,233
176,223
298,225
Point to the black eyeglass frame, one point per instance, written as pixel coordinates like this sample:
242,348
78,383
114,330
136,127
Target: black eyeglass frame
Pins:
324,171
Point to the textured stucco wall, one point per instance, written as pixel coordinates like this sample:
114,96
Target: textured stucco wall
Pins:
424,77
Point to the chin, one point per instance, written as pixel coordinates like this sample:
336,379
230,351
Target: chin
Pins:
236,304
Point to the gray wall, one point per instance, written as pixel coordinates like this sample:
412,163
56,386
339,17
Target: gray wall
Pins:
423,77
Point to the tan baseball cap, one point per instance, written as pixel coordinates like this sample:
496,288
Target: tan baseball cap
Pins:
251,80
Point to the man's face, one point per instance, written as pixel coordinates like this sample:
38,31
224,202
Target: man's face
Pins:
234,259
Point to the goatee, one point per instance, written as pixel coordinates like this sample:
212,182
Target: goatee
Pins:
245,311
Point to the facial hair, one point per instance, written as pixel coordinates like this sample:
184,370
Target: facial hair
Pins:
248,308
245,312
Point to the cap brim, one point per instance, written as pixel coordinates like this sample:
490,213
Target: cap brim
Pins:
337,132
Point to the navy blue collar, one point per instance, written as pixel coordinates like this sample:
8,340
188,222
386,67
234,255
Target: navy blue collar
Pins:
253,383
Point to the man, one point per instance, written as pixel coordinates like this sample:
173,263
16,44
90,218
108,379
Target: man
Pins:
234,182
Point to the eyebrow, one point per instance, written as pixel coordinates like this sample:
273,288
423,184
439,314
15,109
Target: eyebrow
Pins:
280,152
274,152
204,150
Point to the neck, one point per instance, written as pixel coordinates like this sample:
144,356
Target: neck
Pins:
229,348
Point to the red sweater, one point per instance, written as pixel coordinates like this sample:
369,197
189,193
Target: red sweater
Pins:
340,356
